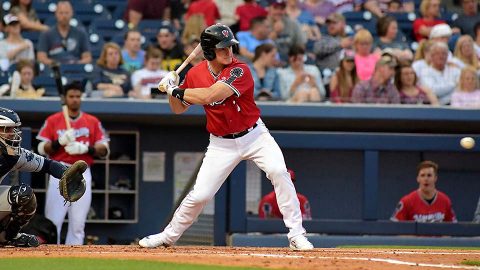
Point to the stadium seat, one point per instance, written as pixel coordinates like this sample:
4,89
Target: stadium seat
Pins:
77,72
48,83
31,35
149,26
86,13
107,29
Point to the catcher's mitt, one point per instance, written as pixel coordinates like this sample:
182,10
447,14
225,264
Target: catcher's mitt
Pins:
72,185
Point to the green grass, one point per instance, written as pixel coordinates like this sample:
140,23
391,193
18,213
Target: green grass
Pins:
102,264
411,247
472,263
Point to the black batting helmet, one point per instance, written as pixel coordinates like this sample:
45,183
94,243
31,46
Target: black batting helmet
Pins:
216,36
10,134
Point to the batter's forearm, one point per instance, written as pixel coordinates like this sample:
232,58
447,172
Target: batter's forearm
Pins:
176,105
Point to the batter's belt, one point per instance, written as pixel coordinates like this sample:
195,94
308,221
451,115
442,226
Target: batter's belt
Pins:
238,134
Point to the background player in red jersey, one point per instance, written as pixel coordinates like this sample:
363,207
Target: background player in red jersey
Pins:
84,140
224,86
268,206
426,204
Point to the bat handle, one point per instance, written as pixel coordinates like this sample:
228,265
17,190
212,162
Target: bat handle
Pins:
66,116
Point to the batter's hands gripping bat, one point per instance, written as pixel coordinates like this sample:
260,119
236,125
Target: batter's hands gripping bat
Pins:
15,84
58,81
190,57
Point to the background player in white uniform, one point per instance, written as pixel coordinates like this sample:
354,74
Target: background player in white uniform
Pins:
84,140
224,86
18,203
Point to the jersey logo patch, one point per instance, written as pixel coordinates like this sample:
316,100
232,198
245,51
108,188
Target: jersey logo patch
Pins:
235,73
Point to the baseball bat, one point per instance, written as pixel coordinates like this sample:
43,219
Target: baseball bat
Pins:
190,57
58,82
16,80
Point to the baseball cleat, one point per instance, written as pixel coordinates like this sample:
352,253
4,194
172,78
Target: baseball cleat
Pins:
153,241
24,240
300,243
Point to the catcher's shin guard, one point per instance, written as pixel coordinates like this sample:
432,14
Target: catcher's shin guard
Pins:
24,204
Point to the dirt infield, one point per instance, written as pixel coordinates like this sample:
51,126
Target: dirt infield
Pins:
266,257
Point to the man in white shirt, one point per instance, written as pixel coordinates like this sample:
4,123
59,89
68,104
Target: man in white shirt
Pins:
143,80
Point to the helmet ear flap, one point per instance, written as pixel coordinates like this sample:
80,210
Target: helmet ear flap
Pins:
209,54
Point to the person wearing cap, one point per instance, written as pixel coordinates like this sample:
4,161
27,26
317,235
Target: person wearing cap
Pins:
344,79
379,88
327,50
430,10
64,43
439,76
14,47
268,206
465,22
138,10
171,49
285,32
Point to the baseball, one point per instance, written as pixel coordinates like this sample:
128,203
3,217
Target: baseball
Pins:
467,142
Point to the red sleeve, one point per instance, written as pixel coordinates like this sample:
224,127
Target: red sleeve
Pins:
100,135
46,132
238,78
449,213
400,211
305,207
416,28
137,5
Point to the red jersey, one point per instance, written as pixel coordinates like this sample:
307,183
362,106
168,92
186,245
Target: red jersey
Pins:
247,12
268,207
207,8
88,130
412,207
422,22
234,114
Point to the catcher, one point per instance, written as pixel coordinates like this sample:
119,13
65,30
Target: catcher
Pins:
18,203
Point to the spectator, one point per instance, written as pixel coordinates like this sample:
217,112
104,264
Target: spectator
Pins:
63,43
344,79
147,78
138,10
260,29
389,37
85,140
177,11
441,32
167,43
430,10
207,8
14,47
421,55
396,5
132,53
365,60
264,73
327,50
477,40
227,12
268,206
109,76
304,18
439,76
187,50
411,92
464,54
378,89
426,204
26,88
466,20
194,26
285,32
320,9
300,82
246,12
26,15
467,94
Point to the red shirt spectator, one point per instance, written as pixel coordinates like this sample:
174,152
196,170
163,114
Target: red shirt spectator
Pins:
207,8
246,12
138,10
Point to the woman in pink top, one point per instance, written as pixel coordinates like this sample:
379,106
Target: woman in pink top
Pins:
365,60
467,94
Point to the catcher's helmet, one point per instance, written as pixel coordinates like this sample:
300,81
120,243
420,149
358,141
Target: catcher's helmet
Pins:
10,134
216,36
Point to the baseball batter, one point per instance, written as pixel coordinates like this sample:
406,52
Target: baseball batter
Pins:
18,203
84,140
224,86
426,204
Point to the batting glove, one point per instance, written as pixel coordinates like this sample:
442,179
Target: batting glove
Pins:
67,137
76,148
169,82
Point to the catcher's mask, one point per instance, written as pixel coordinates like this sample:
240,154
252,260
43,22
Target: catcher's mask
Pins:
10,134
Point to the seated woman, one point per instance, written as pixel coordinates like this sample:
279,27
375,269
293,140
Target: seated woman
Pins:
264,73
344,79
410,91
27,15
14,47
300,82
467,94
26,89
109,77
390,38
464,54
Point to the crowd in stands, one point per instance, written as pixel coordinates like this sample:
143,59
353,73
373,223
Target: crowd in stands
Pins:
339,51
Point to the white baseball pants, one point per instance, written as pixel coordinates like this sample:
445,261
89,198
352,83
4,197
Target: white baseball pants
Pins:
222,156
56,209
